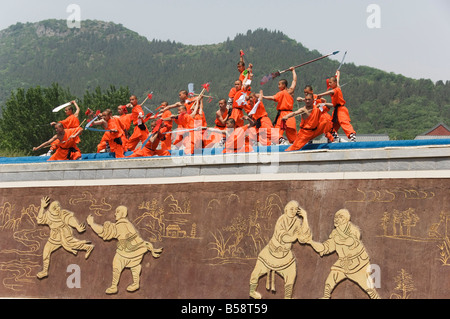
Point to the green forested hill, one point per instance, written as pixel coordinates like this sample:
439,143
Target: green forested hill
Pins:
102,54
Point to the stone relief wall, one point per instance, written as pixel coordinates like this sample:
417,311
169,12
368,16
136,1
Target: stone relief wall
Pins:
228,240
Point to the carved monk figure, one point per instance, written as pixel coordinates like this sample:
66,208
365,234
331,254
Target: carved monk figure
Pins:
61,222
130,247
277,256
353,262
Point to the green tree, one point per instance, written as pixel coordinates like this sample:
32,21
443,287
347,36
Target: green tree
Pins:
27,116
28,113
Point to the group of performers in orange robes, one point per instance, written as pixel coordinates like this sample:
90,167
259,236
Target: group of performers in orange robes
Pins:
230,131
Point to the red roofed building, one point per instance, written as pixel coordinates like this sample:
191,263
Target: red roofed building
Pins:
439,131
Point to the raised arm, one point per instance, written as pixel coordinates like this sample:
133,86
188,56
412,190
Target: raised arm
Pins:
77,112
291,90
338,76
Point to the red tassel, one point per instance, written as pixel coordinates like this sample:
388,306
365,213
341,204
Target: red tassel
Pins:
157,126
206,86
283,125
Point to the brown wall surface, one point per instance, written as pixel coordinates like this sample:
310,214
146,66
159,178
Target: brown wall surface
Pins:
212,233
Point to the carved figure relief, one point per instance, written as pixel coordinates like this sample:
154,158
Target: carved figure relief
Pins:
353,262
277,256
130,247
61,223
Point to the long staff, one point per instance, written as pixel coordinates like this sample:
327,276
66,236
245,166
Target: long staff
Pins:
273,75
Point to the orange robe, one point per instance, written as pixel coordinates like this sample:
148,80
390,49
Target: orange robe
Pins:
167,142
239,140
263,125
151,149
285,105
70,122
341,116
140,132
219,125
325,117
67,149
191,140
310,128
114,139
216,137
237,111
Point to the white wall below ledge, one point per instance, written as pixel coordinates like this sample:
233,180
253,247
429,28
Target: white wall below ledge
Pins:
389,162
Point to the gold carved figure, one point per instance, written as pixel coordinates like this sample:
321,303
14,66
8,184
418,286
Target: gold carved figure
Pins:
353,262
131,248
277,256
61,222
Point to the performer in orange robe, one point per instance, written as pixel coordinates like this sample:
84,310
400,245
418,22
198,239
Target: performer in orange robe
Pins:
113,135
285,105
263,124
71,121
244,75
187,102
341,116
167,141
184,132
157,136
124,123
140,132
239,101
238,139
67,148
311,124
220,124
221,115
325,117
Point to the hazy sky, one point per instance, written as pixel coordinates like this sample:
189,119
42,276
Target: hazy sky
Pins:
409,37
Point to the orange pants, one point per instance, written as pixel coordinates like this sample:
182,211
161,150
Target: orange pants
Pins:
325,117
304,136
343,120
146,152
193,141
291,123
264,132
167,143
114,147
102,145
237,115
117,149
62,154
137,136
